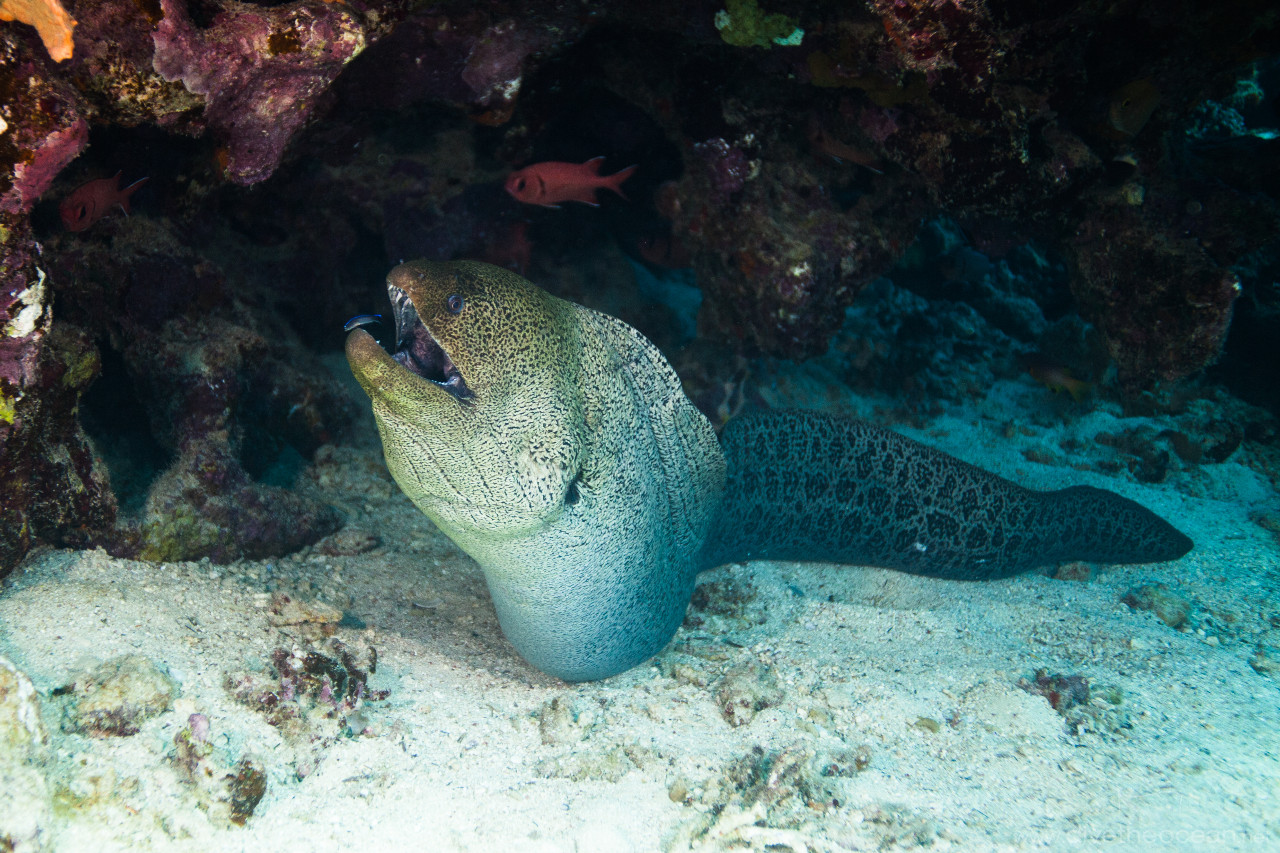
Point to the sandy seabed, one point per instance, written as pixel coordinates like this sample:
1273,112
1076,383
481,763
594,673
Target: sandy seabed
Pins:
803,707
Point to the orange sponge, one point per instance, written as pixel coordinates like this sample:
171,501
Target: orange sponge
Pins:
50,20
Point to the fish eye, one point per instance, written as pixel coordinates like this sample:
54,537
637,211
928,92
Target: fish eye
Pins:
520,184
454,303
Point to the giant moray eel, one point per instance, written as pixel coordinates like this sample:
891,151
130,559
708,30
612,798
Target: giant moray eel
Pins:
554,445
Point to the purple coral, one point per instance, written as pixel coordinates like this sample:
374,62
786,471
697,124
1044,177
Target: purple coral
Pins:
261,71
496,64
727,166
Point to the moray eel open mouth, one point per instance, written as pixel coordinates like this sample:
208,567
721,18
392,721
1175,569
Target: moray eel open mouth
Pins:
419,352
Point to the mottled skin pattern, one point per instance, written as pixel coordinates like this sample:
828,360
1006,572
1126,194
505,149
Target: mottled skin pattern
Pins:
577,475
808,486
570,465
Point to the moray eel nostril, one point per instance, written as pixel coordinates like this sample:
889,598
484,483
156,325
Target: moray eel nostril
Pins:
554,445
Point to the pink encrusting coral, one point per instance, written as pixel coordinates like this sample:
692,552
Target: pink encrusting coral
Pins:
43,128
261,71
49,156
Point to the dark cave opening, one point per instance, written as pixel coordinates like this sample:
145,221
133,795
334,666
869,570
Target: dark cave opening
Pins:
116,421
270,461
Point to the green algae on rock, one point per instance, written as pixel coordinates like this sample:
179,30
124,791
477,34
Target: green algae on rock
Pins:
742,23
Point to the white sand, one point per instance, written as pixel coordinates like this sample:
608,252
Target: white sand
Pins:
468,753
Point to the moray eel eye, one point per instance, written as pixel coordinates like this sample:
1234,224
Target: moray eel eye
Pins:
419,352
454,303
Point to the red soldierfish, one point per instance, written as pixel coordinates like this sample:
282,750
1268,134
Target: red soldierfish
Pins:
90,202
550,183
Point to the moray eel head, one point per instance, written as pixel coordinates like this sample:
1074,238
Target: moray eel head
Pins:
555,446
478,421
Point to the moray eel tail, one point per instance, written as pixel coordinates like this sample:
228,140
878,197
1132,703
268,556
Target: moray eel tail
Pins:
807,486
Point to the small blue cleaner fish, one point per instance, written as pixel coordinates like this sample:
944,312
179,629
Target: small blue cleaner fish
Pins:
361,320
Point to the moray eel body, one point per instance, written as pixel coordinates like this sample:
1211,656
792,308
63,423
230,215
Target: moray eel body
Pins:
555,446
808,486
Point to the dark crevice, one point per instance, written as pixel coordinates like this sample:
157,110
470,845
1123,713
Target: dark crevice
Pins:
114,418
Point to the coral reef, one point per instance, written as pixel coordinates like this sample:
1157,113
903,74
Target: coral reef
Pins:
226,394
777,259
1162,301
746,690
55,489
995,132
897,341
43,128
206,503
743,23
44,457
1087,185
1169,607
473,56
113,70
1063,692
772,800
1087,709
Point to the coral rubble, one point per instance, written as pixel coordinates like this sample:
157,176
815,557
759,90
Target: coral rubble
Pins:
117,697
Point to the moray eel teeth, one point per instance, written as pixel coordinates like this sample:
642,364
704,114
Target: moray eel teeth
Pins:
419,352
403,311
